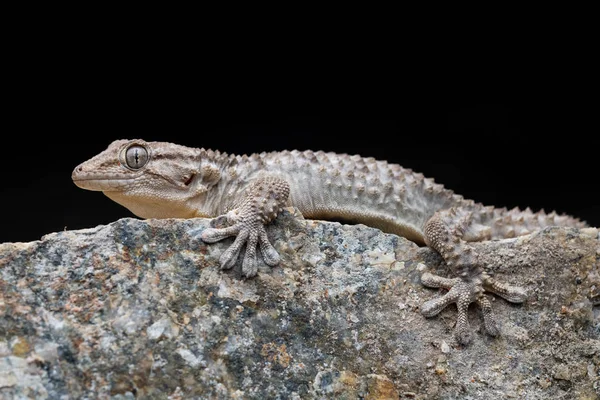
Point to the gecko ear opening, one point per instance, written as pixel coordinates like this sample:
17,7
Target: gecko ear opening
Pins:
189,180
202,180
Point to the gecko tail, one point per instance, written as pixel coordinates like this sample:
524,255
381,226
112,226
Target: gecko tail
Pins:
500,223
516,222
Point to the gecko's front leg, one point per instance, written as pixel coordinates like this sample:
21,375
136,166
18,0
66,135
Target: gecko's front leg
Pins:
263,200
443,232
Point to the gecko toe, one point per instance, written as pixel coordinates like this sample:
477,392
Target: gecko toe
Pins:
230,256
514,294
489,321
462,334
433,307
212,235
270,255
249,267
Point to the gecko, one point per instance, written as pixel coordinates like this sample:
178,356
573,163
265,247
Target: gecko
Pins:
166,180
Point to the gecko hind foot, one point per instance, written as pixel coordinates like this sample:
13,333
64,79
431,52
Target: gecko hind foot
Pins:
444,232
464,291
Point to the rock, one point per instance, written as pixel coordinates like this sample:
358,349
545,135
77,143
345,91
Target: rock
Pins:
140,309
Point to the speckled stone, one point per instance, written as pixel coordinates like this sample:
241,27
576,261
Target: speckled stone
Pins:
140,309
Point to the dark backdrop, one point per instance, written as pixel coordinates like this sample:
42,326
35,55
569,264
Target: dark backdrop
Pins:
542,156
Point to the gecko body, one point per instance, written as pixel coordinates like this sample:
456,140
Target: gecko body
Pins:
165,180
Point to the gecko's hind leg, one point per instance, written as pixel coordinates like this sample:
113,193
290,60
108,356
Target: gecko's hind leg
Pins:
443,233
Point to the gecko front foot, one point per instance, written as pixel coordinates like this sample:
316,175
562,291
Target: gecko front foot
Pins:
464,291
263,200
251,233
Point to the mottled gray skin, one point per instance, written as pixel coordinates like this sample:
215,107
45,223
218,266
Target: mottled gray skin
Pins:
164,180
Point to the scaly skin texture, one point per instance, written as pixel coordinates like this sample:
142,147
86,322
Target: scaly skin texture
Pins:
165,180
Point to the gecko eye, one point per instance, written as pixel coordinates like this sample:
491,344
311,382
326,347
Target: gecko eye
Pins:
136,156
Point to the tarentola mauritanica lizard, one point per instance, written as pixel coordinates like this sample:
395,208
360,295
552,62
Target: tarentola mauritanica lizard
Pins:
165,180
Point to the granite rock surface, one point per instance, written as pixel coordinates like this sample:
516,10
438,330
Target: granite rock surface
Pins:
141,309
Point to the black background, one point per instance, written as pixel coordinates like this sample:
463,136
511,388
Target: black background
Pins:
537,155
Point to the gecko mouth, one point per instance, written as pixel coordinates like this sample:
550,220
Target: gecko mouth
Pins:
102,183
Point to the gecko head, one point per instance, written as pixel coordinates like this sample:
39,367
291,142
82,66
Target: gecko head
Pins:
151,179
